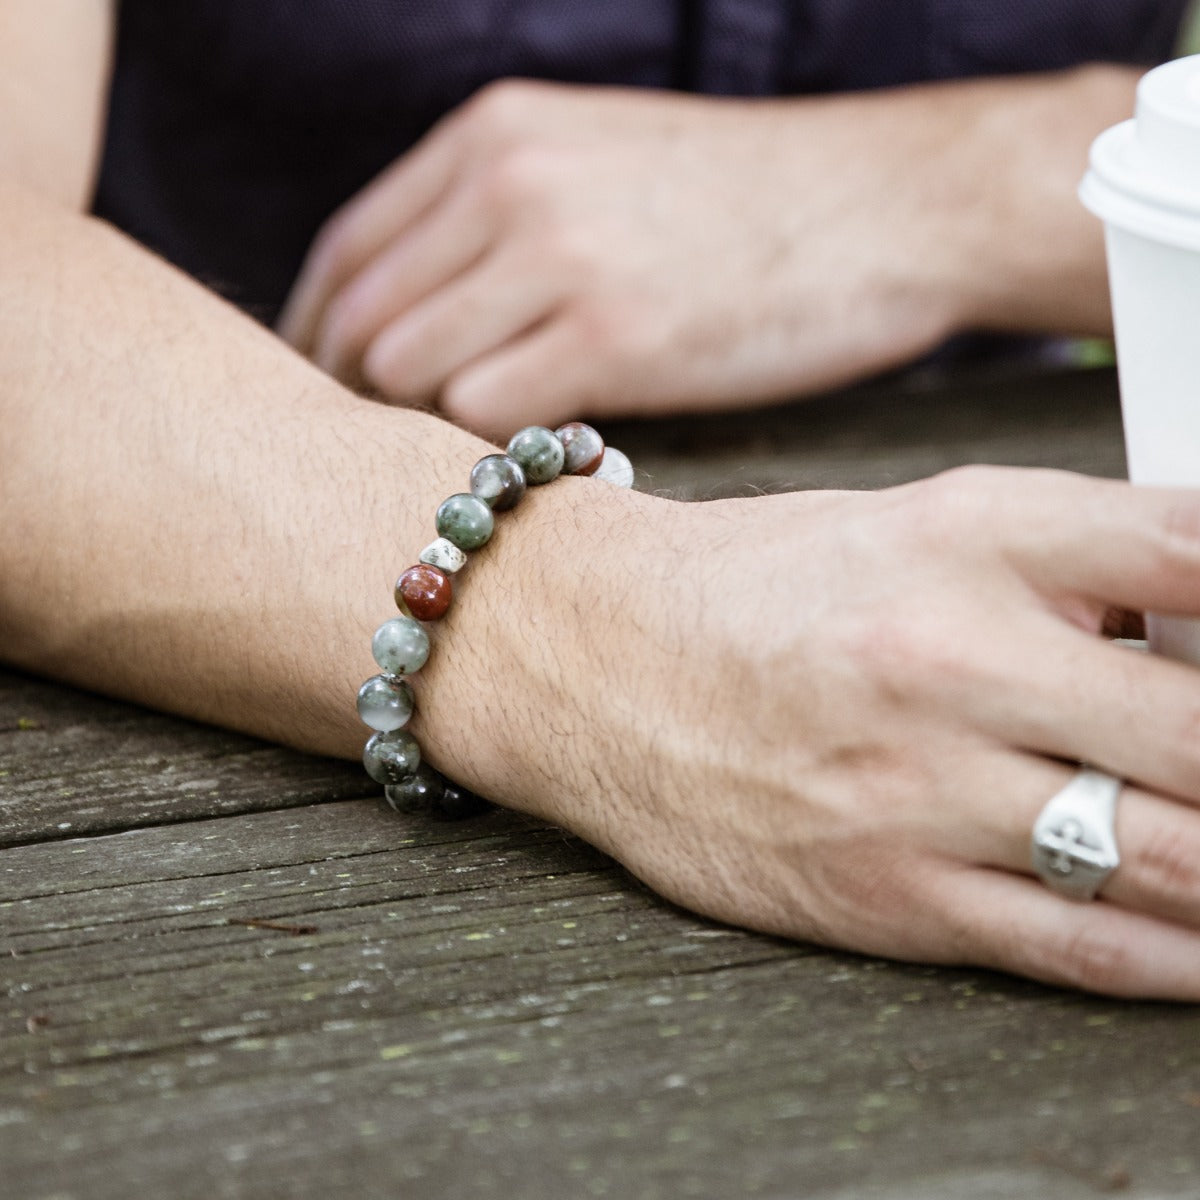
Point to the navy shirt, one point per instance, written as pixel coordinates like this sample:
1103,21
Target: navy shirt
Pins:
237,126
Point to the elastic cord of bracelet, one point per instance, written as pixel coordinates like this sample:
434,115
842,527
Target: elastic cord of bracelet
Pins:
401,646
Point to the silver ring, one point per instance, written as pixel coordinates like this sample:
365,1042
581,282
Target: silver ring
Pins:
1074,843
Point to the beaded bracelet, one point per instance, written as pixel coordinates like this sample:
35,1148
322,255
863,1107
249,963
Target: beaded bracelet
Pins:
423,593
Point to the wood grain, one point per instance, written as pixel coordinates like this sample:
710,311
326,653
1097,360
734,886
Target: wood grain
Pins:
72,763
887,433
497,1007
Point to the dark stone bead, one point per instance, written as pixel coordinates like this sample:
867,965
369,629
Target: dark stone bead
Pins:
498,481
425,592
417,794
458,804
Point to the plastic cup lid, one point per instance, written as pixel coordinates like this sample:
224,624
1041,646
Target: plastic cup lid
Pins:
1145,173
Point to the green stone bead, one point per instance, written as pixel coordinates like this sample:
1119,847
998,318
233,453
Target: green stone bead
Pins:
400,646
390,758
466,521
539,452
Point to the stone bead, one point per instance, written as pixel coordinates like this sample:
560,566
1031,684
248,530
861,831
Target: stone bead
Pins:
498,481
390,758
417,794
466,521
583,448
385,703
425,592
539,452
457,804
615,468
400,646
444,555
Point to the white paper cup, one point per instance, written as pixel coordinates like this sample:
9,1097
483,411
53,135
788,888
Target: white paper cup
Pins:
1144,182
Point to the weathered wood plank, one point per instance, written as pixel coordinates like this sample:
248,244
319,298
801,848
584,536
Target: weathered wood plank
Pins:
887,433
73,763
500,891
496,1007
664,1088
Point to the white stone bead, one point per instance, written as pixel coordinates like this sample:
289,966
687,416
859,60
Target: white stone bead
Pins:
385,704
615,468
444,555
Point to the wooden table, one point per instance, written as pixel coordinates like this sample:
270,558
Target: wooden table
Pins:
228,971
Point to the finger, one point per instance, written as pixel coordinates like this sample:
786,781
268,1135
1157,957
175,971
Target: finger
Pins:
359,230
538,379
431,253
478,312
1080,697
1159,843
995,919
1158,840
1137,548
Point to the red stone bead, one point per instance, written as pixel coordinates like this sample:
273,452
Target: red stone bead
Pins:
583,448
425,592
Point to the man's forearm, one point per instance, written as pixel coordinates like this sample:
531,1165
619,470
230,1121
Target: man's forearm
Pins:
54,65
194,517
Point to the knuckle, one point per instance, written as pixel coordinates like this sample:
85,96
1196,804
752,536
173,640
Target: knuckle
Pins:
340,334
1179,541
463,400
968,475
611,330
882,643
519,177
1094,960
970,479
861,906
569,248
380,374
502,105
332,246
959,936
1170,864
489,404
388,373
955,499
908,655
1185,738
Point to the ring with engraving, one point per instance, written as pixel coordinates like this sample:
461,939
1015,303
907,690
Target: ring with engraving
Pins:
1074,838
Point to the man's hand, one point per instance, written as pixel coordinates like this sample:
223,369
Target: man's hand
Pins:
837,715
550,252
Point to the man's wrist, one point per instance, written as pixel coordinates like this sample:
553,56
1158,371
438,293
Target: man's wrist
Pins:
527,634
1031,259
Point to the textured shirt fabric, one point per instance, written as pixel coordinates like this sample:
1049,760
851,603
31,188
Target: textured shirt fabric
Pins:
237,126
